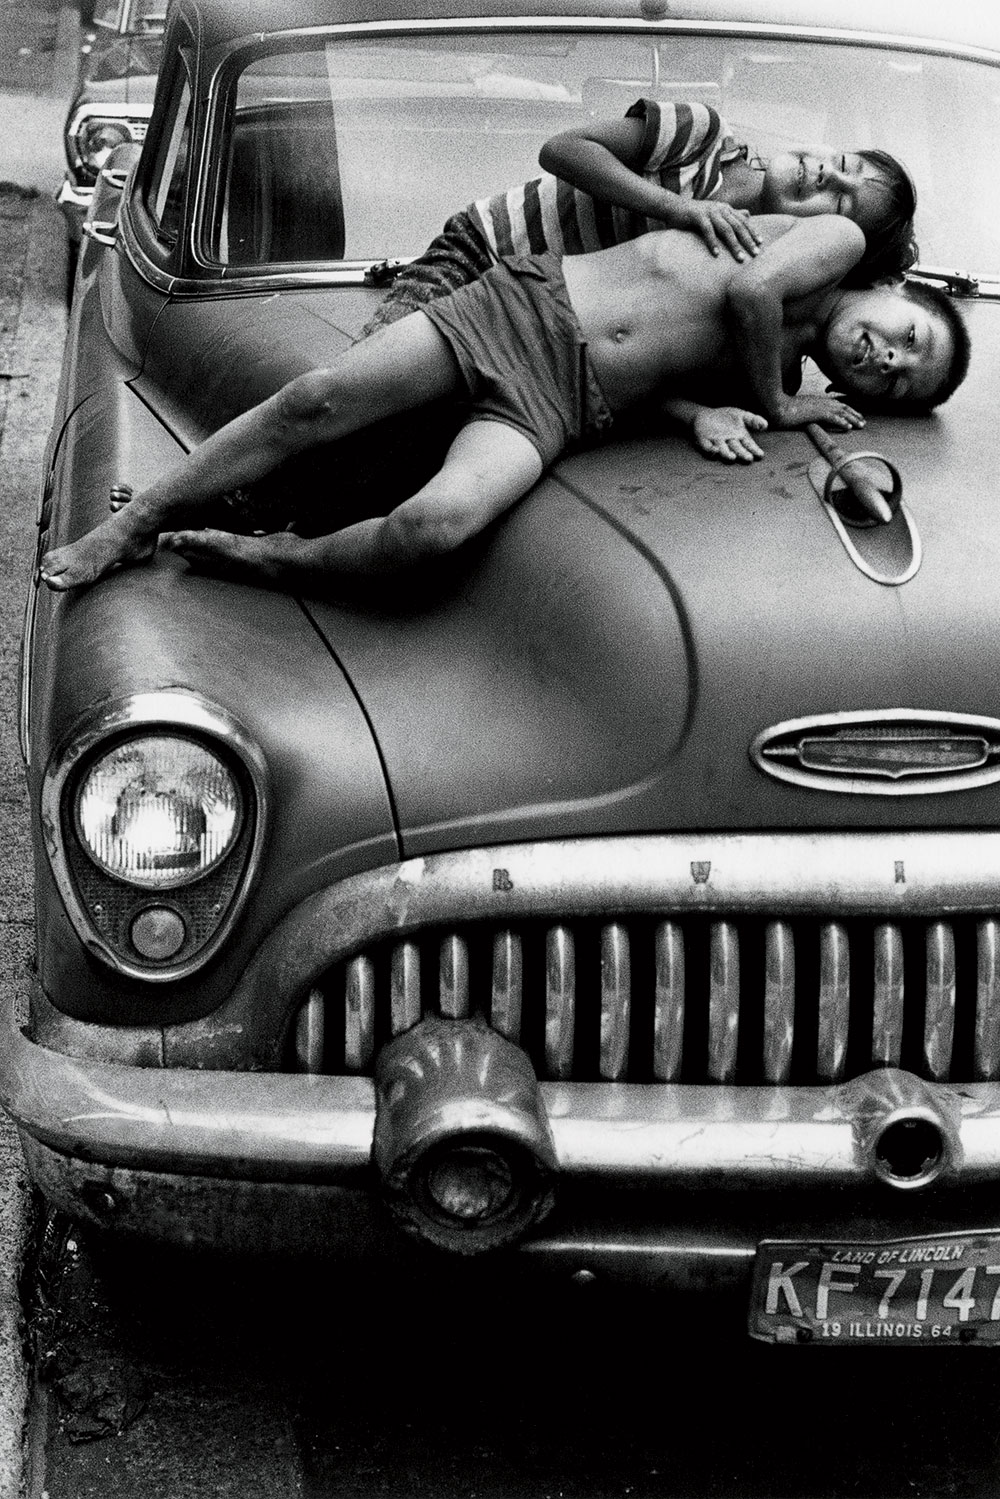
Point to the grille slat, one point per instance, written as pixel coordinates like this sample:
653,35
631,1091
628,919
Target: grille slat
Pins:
939,1008
987,1054
779,1001
310,1033
889,993
508,978
688,998
616,1000
723,1001
834,1001
405,986
668,1009
560,1001
359,1016
453,979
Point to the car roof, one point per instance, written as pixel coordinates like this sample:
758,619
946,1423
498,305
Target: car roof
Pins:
971,23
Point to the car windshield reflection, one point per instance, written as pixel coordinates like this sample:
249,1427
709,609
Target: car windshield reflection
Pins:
360,150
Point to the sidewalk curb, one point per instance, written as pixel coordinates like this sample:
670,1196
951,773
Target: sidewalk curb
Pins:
32,345
16,1224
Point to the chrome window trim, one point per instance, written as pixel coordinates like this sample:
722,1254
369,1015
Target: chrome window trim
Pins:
768,30
170,709
24,663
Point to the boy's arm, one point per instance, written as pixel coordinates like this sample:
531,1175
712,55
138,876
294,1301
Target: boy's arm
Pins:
605,160
814,254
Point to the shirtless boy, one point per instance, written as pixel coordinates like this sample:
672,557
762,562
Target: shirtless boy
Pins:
546,353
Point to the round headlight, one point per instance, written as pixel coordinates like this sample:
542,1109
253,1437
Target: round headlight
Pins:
97,138
158,811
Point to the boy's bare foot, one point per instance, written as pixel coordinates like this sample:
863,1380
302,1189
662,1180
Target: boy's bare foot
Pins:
117,542
279,557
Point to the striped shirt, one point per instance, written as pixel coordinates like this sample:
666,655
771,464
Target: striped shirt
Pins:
684,148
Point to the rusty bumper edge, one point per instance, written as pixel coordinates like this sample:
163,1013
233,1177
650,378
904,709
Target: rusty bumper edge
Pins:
278,1126
346,1223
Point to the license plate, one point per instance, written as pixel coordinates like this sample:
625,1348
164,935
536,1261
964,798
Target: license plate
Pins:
939,1291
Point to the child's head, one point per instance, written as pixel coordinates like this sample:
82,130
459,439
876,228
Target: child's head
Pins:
870,187
901,346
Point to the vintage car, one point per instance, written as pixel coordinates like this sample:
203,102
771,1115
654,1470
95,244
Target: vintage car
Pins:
623,900
119,56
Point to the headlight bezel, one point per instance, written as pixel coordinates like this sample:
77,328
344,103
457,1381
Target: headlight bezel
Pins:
220,890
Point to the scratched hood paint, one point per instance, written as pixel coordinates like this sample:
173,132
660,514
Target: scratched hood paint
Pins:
609,656
603,659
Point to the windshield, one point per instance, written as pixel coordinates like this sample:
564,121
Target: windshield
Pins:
360,150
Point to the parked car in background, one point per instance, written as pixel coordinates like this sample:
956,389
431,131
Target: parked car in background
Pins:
627,900
119,57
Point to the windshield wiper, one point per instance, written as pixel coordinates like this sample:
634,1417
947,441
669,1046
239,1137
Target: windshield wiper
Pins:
381,272
959,283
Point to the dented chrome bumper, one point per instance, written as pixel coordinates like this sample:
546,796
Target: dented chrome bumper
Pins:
143,1146
293,1125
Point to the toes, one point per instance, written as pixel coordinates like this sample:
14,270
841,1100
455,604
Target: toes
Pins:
54,571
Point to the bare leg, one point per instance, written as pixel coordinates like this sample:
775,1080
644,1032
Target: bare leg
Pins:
488,468
402,366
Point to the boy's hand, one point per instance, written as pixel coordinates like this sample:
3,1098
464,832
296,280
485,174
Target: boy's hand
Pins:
724,432
718,224
797,411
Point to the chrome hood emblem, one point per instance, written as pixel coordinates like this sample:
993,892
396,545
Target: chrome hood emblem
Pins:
892,752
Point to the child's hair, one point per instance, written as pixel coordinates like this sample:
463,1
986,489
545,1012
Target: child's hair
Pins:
940,305
891,249
937,301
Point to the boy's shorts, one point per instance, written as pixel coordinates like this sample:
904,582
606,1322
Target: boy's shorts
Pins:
522,356
458,256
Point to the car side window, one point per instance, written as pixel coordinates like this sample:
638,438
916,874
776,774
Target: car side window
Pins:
165,193
282,187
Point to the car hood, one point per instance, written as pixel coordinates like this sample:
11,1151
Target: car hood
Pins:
602,660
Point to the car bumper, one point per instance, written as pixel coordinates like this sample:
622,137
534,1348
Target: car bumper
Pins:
75,204
657,1183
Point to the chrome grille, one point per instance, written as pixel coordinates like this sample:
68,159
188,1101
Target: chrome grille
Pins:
696,999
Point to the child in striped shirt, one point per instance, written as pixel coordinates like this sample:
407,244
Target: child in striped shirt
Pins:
662,166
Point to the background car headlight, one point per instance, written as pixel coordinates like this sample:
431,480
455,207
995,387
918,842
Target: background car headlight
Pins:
158,811
95,140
